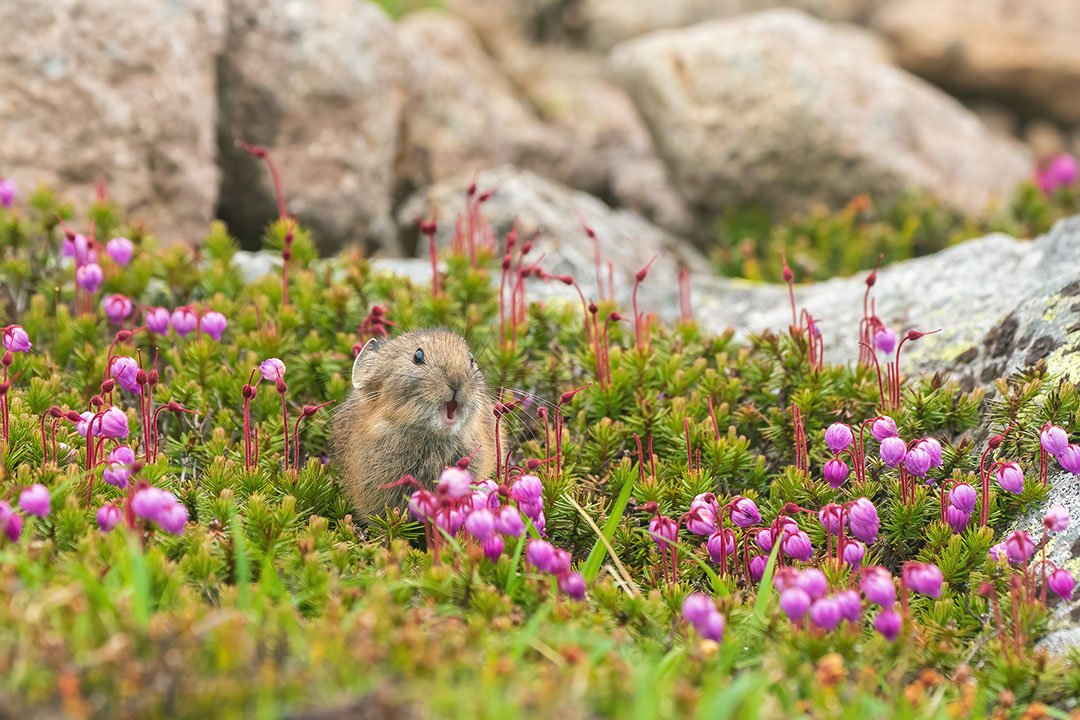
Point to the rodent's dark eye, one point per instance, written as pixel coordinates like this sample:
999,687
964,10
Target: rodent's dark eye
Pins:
418,357
472,360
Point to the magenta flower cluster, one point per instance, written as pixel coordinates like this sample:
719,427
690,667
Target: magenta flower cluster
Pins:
184,320
1058,172
1055,442
488,513
699,610
161,507
805,594
33,500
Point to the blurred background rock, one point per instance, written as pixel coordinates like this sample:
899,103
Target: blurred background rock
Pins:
832,130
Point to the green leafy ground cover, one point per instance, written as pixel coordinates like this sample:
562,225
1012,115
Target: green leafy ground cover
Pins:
826,242
274,601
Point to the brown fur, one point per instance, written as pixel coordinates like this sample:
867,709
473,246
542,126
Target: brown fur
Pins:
392,423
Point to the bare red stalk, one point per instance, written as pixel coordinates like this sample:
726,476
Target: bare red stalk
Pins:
881,388
593,310
173,407
543,412
506,263
429,228
307,412
652,458
261,153
606,345
563,399
685,309
789,278
641,458
984,474
712,414
638,279
591,234
689,458
1045,537
894,389
802,460
867,324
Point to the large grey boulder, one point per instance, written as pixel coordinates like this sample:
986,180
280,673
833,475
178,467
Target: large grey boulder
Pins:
600,24
462,113
783,109
625,239
320,83
121,90
1026,52
605,23
969,290
547,109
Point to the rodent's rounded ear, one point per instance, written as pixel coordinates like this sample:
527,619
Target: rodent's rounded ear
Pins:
362,362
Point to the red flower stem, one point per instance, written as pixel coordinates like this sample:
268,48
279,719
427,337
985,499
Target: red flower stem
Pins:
689,457
584,309
262,154
652,458
296,430
641,458
712,414
1044,539
285,422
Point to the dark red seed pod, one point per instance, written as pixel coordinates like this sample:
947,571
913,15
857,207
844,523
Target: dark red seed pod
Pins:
463,463
286,254
123,336
248,392
533,463
56,412
428,227
615,316
7,359
593,308
566,279
73,416
140,377
152,377
281,386
107,386
506,262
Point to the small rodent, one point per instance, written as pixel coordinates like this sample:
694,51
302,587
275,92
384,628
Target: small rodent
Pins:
419,404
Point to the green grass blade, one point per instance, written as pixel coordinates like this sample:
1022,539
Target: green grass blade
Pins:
627,578
241,562
761,604
141,601
596,556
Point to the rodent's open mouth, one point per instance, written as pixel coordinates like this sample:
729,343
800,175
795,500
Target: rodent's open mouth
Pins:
451,408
